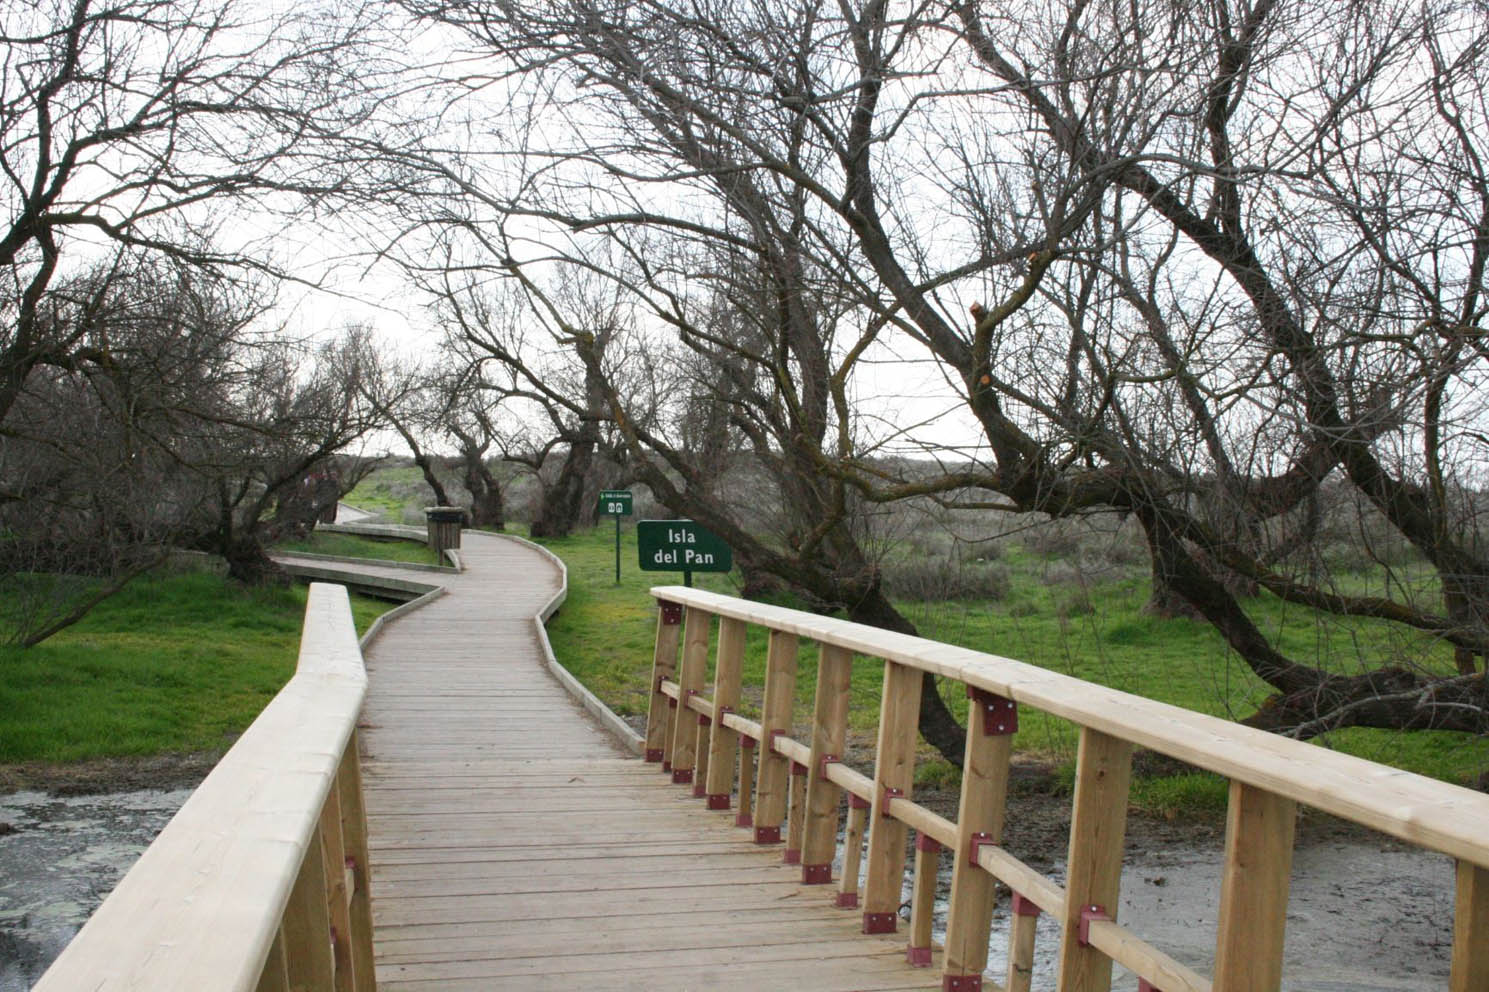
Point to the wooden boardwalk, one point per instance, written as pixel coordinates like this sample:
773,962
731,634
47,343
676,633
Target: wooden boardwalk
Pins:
515,846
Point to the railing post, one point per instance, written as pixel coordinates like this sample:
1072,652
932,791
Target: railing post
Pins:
689,682
1253,891
724,742
923,900
858,818
747,752
1471,930
663,666
276,976
700,749
337,897
796,822
307,922
969,915
829,736
780,697
354,839
1098,825
894,773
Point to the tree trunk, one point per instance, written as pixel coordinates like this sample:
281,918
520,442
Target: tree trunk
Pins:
937,724
426,466
487,506
563,501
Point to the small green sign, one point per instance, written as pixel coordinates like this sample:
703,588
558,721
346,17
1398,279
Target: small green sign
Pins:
680,546
614,503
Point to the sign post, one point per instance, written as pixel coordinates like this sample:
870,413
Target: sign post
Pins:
680,545
615,503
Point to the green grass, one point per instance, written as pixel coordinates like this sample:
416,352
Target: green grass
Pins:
388,492
358,546
171,663
1097,632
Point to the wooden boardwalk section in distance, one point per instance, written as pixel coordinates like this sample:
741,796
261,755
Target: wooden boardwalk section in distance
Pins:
515,846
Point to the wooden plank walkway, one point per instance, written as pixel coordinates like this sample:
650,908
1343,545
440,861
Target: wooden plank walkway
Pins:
515,846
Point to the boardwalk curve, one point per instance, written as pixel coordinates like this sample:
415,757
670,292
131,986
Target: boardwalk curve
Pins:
516,845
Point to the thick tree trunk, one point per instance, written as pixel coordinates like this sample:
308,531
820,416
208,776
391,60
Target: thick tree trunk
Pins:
563,501
937,724
487,506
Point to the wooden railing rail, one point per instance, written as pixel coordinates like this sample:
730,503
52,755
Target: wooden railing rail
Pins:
798,786
260,880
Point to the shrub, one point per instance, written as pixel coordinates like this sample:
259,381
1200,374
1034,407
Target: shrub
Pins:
926,580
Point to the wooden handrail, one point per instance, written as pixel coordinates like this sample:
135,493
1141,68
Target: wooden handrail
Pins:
260,879
1269,776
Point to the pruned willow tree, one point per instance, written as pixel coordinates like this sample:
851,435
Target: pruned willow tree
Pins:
1218,267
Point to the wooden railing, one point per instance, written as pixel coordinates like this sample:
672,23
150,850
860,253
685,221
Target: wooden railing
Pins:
260,880
798,786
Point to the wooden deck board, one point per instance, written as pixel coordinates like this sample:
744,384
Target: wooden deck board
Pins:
515,846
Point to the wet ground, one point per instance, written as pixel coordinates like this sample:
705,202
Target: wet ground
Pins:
1366,915
59,856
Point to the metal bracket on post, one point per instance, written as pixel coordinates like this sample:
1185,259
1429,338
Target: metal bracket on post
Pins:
703,720
1143,985
880,922
746,741
797,768
855,801
1024,906
961,983
671,613
979,839
890,792
827,759
1000,715
928,844
773,735
1088,914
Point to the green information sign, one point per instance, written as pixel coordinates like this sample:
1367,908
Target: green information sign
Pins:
614,503
680,546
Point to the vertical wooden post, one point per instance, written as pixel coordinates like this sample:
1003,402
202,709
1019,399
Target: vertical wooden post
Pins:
337,898
700,748
724,741
894,773
663,666
923,901
307,924
354,839
1022,925
1098,825
275,977
991,723
829,736
747,752
1471,930
689,681
858,817
796,822
1253,890
780,697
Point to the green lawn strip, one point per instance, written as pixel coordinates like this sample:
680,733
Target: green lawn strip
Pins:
361,546
171,663
1096,632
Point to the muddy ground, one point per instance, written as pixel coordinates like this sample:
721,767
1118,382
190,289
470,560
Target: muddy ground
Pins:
1367,914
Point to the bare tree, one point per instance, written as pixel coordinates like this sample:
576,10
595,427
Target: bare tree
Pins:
1212,269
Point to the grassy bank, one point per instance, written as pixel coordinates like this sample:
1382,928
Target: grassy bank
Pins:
1088,626
171,663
